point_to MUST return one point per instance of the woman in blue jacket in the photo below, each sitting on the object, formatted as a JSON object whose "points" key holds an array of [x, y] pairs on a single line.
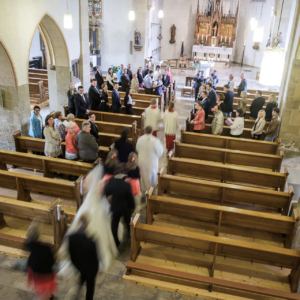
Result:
{"points": [[36, 123]]}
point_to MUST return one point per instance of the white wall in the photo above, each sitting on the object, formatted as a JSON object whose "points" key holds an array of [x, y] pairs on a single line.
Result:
{"points": [[20, 25], [35, 49]]}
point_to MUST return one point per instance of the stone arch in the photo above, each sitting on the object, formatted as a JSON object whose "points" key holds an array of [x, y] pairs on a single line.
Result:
{"points": [[7, 70]]}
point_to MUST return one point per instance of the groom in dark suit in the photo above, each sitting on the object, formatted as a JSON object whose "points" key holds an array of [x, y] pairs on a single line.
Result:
{"points": [[82, 104], [116, 101], [99, 78]]}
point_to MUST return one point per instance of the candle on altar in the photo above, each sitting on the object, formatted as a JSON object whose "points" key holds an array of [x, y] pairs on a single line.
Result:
{"points": [[206, 37], [198, 37], [221, 38], [229, 39], [202, 37], [225, 38]]}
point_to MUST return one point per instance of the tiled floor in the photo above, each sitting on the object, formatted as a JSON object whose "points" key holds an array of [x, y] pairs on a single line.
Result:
{"points": [[109, 284]]}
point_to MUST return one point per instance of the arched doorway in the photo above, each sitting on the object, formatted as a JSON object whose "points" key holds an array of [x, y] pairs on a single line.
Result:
{"points": [[56, 74], [9, 104]]}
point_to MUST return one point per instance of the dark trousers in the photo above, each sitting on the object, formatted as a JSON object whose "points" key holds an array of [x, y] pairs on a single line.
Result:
{"points": [[148, 91], [196, 91], [116, 220], [90, 284], [197, 131], [120, 83], [256, 136], [72, 110], [236, 136]]}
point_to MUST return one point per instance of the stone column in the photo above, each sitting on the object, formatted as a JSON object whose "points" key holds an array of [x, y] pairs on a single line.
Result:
{"points": [[84, 45]]}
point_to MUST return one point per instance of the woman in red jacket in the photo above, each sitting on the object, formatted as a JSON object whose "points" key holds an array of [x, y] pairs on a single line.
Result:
{"points": [[199, 121]]}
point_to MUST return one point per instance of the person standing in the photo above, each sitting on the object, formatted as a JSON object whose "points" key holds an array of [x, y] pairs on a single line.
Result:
{"points": [[218, 121], [272, 103], [99, 78], [171, 125], [169, 73], [273, 130], [125, 81], [198, 81], [133, 175], [166, 79], [212, 95], [87, 145], [135, 84], [59, 125], [122, 203], [71, 118], [110, 79], [40, 264], [228, 102], [146, 71], [94, 129], [140, 77], [199, 121], [259, 125], [71, 152], [52, 138], [119, 75], [231, 82], [116, 101], [156, 73], [220, 101], [94, 96], [82, 104], [243, 85], [150, 150], [129, 72], [243, 102], [128, 102], [257, 105], [237, 127], [148, 83], [158, 86], [123, 147], [36, 123], [152, 116], [104, 99], [205, 103], [202, 89], [71, 93], [83, 254], [215, 78]]}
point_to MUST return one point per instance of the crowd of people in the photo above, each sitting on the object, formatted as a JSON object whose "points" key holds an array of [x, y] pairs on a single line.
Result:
{"points": [[220, 106]]}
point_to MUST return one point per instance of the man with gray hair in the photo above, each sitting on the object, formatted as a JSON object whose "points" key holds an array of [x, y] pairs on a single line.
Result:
{"points": [[87, 145], [243, 85], [231, 82]]}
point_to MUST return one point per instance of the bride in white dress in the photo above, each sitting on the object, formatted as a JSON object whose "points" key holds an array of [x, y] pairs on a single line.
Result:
{"points": [[97, 208]]}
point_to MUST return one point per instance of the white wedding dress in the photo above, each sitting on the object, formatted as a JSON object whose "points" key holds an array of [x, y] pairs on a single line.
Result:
{"points": [[97, 208]]}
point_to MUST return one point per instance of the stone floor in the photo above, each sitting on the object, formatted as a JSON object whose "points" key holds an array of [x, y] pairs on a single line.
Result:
{"points": [[109, 284]]}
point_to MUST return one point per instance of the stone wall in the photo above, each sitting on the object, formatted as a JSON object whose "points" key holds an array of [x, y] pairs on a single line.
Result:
{"points": [[290, 127]]}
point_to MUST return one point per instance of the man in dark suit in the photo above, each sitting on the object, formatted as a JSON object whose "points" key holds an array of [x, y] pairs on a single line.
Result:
{"points": [[212, 95], [205, 103], [129, 72], [166, 79], [94, 129], [198, 82], [94, 95], [83, 253], [122, 203], [228, 101], [125, 81], [116, 101], [257, 105], [146, 71], [243, 85], [99, 78], [82, 104]]}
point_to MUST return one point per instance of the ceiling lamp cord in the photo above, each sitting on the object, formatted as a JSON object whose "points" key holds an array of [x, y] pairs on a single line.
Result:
{"points": [[280, 17]]}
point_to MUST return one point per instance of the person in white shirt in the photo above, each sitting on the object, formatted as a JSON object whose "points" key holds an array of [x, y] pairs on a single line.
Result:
{"points": [[237, 127], [152, 116], [171, 125], [231, 83], [156, 73], [150, 150]]}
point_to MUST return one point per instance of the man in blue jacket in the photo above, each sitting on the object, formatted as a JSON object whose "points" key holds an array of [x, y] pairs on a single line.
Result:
{"points": [[116, 101], [243, 85], [228, 101]]}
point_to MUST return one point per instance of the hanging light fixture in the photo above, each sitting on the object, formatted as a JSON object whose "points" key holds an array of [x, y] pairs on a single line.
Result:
{"points": [[253, 23], [259, 31], [131, 15], [160, 14], [273, 63], [68, 20]]}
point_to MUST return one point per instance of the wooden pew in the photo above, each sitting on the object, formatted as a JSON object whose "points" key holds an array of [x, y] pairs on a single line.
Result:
{"points": [[226, 156], [26, 184], [249, 96], [48, 165], [40, 71], [215, 247], [38, 90], [15, 238], [24, 143], [37, 80], [224, 193], [240, 175], [216, 141], [41, 76], [222, 220], [138, 103], [250, 91], [109, 132]]}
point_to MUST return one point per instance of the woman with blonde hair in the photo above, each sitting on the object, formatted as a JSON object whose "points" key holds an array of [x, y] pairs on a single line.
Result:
{"points": [[168, 68], [259, 125], [71, 142], [272, 103], [40, 264], [135, 84], [52, 138], [71, 118], [243, 102]]}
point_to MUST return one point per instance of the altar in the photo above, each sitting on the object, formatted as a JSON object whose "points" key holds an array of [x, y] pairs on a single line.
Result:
{"points": [[206, 67]]}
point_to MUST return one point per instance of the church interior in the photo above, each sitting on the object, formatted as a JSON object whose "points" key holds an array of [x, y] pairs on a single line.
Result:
{"points": [[221, 222]]}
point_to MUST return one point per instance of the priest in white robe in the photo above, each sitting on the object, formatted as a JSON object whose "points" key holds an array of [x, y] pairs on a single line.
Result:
{"points": [[152, 116], [150, 150]]}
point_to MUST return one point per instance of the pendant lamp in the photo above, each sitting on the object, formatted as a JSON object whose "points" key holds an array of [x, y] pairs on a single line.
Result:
{"points": [[131, 15], [68, 20]]}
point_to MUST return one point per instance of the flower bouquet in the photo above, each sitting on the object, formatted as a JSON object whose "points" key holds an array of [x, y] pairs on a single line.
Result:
{"points": [[196, 64]]}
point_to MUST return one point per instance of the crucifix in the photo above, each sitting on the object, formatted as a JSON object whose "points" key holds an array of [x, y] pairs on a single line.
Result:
{"points": [[215, 30]]}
